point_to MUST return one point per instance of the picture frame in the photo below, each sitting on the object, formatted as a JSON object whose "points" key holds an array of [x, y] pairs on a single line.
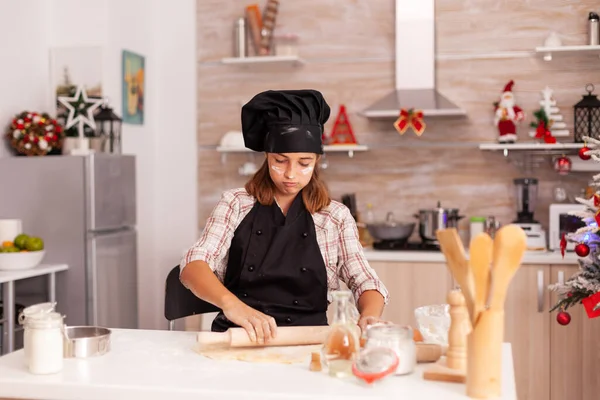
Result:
{"points": [[133, 88]]}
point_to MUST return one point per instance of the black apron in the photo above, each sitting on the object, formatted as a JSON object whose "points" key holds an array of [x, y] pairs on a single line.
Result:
{"points": [[275, 266]]}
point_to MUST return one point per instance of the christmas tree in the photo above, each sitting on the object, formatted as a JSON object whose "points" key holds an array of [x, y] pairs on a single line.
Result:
{"points": [[551, 114], [583, 287]]}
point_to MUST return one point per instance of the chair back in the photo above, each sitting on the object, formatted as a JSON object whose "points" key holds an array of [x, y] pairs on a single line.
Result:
{"points": [[180, 302]]}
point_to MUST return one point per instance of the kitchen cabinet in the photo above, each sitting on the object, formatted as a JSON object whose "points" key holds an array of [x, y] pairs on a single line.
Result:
{"points": [[574, 349], [412, 285], [552, 362], [527, 328]]}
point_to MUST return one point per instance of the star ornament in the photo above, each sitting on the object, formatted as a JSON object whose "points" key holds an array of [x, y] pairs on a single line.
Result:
{"points": [[81, 109]]}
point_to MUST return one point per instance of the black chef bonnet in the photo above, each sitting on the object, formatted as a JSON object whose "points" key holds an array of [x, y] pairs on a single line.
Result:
{"points": [[285, 121]]}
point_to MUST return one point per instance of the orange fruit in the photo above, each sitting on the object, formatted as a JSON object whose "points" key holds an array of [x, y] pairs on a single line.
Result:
{"points": [[417, 337], [8, 243]]}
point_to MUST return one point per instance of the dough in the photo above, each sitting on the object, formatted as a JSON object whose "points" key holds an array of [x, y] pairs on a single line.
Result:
{"points": [[275, 354]]}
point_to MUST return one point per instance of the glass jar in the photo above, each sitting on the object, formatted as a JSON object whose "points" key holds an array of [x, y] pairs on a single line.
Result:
{"points": [[341, 345], [286, 44], [34, 311], [477, 226], [398, 338], [43, 343]]}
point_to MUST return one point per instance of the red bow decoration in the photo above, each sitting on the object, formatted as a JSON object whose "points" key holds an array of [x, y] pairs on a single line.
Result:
{"points": [[543, 132], [563, 245], [597, 217], [410, 119], [596, 200]]}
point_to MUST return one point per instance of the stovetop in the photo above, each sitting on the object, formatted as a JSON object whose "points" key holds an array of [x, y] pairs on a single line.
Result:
{"points": [[403, 245]]}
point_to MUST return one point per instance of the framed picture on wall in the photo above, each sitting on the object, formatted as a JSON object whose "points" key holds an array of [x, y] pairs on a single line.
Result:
{"points": [[133, 71]]}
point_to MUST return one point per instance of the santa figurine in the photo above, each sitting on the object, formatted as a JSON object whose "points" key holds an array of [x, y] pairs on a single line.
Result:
{"points": [[507, 115]]}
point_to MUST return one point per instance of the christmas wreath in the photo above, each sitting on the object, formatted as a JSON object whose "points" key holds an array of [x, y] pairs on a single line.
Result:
{"points": [[35, 134]]}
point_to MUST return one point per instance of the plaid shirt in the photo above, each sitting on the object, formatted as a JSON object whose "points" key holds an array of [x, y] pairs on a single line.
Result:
{"points": [[337, 237]]}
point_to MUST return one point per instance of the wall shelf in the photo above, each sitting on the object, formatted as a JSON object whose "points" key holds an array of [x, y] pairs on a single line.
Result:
{"points": [[529, 146], [549, 52], [293, 61], [530, 155]]}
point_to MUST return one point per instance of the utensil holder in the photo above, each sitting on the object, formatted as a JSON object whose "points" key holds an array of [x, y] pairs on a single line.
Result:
{"points": [[484, 356]]}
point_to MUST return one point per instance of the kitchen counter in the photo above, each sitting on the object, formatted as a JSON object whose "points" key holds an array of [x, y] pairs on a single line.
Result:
{"points": [[531, 257], [162, 365]]}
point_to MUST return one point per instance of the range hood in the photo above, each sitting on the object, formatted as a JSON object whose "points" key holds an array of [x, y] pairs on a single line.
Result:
{"points": [[415, 66]]}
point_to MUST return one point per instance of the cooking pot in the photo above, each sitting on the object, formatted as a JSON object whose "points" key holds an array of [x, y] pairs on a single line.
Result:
{"points": [[436, 218], [390, 229]]}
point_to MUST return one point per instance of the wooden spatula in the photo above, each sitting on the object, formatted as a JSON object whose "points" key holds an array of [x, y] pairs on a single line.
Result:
{"points": [[510, 243], [480, 262], [456, 259]]}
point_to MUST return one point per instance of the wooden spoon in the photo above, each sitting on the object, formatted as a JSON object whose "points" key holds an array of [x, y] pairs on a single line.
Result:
{"points": [[509, 245], [456, 259], [480, 261]]}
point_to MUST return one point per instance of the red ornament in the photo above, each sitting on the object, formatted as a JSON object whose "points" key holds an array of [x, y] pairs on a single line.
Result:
{"points": [[596, 200], [562, 165], [569, 294], [563, 318], [563, 245], [582, 154], [591, 305], [582, 250]]}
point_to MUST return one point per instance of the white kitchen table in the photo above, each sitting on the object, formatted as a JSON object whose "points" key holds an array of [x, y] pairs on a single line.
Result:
{"points": [[7, 283], [162, 365]]}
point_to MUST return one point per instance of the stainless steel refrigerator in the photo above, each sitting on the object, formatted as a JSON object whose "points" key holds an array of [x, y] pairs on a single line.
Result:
{"points": [[84, 207]]}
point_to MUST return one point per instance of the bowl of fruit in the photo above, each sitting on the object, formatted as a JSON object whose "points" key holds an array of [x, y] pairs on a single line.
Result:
{"points": [[24, 252]]}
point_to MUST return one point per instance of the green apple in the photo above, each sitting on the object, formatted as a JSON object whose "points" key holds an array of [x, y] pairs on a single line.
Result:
{"points": [[20, 241], [34, 244]]}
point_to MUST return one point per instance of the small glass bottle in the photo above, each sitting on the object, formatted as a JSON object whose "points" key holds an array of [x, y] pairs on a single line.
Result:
{"points": [[342, 343], [398, 338], [44, 343]]}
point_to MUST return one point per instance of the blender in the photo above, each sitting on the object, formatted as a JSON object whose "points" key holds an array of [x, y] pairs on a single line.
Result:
{"points": [[526, 190]]}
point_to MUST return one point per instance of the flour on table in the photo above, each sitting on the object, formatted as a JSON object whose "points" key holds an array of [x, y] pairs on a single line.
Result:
{"points": [[275, 354]]}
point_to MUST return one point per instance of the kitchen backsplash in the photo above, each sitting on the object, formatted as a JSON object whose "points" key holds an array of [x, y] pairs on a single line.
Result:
{"points": [[349, 48]]}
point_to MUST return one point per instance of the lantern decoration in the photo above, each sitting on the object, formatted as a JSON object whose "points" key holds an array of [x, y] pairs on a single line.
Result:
{"points": [[562, 165], [108, 125], [587, 116]]}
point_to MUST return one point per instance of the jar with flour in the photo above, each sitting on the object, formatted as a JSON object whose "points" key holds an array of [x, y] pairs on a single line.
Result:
{"points": [[399, 339], [43, 339]]}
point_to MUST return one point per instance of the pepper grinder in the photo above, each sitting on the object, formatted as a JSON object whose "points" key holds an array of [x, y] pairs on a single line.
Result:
{"points": [[453, 368], [594, 29], [456, 356]]}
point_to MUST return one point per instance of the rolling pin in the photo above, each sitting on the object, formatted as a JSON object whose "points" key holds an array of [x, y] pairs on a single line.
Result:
{"points": [[286, 336], [295, 336]]}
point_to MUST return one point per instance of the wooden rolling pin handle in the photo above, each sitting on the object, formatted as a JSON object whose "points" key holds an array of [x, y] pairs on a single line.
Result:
{"points": [[286, 336]]}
